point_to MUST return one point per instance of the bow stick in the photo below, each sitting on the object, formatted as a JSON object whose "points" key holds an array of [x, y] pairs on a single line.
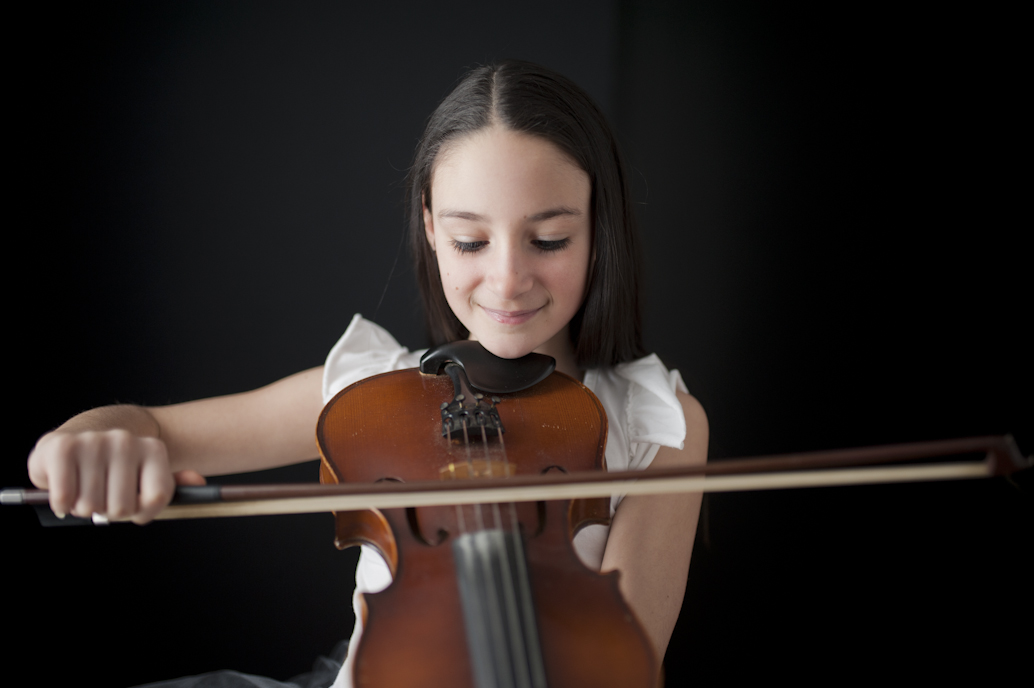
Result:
{"points": [[862, 466]]}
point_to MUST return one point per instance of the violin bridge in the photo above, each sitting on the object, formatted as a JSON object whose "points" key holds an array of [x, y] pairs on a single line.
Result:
{"points": [[477, 468]]}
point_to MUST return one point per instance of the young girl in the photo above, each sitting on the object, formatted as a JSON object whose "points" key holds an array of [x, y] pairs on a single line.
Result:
{"points": [[524, 240]]}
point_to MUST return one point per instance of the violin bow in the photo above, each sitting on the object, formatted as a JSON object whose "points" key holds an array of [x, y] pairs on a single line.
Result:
{"points": [[861, 466]]}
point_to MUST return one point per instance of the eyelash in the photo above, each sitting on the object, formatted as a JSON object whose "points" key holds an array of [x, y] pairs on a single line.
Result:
{"points": [[467, 246], [552, 246], [543, 245]]}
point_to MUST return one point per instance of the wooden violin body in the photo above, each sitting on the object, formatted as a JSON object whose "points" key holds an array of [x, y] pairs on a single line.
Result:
{"points": [[390, 427]]}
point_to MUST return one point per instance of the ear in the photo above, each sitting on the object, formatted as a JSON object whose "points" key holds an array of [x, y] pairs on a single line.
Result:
{"points": [[428, 222]]}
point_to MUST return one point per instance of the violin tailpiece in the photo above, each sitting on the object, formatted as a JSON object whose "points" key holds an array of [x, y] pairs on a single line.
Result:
{"points": [[468, 409]]}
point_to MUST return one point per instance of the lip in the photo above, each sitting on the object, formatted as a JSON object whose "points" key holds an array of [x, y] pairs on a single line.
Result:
{"points": [[510, 317]]}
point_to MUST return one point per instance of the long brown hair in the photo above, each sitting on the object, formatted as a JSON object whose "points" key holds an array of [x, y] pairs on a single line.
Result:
{"points": [[527, 98]]}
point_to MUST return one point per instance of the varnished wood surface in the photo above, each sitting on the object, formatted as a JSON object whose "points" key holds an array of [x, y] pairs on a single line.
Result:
{"points": [[414, 632]]}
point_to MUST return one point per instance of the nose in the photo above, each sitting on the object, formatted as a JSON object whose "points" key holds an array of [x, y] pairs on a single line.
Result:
{"points": [[509, 273]]}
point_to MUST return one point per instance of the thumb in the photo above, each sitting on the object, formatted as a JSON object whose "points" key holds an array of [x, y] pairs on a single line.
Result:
{"points": [[189, 477]]}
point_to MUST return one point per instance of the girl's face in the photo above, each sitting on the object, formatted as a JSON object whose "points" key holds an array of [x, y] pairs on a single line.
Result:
{"points": [[511, 229]]}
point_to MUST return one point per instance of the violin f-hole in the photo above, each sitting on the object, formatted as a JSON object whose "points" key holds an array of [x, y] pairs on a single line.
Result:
{"points": [[414, 527]]}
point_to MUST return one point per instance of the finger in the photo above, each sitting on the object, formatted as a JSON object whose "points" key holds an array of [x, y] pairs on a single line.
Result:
{"points": [[93, 475], [53, 468], [123, 479], [38, 462], [190, 477], [156, 482]]}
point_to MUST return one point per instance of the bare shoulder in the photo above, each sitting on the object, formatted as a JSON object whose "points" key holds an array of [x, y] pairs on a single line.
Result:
{"points": [[696, 417], [694, 450]]}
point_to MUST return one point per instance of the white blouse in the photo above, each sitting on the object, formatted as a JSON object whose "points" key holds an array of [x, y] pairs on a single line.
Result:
{"points": [[643, 414]]}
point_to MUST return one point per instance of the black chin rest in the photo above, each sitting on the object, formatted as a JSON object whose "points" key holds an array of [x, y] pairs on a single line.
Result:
{"points": [[486, 371]]}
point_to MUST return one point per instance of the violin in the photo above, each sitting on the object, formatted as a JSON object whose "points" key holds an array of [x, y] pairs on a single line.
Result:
{"points": [[482, 595]]}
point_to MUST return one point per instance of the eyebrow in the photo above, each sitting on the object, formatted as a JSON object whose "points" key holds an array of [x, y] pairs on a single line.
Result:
{"points": [[537, 217]]}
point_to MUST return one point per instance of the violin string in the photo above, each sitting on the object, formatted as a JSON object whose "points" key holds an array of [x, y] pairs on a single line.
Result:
{"points": [[521, 565], [512, 570], [496, 518], [512, 505], [459, 508], [478, 516]]}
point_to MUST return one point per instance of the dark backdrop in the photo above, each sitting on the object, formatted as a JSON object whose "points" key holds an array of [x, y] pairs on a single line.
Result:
{"points": [[210, 191]]}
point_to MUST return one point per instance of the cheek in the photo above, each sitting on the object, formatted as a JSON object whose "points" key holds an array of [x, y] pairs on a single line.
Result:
{"points": [[455, 279], [569, 281]]}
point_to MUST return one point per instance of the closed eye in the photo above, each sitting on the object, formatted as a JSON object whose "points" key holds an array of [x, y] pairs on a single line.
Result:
{"points": [[551, 245], [468, 246]]}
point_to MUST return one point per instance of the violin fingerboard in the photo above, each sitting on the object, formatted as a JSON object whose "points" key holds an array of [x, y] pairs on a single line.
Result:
{"points": [[498, 610]]}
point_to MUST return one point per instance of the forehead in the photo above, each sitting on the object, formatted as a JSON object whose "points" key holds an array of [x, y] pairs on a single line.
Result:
{"points": [[497, 162]]}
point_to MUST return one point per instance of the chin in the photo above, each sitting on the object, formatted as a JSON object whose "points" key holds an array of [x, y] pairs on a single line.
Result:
{"points": [[506, 349]]}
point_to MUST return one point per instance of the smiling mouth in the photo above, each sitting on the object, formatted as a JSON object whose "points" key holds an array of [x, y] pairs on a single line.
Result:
{"points": [[510, 317]]}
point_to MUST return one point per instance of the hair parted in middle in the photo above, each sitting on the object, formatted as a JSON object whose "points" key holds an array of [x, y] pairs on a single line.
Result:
{"points": [[526, 98]]}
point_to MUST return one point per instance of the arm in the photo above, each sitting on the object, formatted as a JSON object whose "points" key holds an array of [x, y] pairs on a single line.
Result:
{"points": [[651, 538], [121, 460]]}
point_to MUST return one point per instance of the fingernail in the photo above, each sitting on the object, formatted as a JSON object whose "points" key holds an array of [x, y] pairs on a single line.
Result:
{"points": [[60, 514]]}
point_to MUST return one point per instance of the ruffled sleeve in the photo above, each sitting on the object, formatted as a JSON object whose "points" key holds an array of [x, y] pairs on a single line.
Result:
{"points": [[643, 411], [654, 412], [364, 349]]}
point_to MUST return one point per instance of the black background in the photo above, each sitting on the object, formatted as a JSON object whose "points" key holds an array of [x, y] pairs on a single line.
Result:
{"points": [[208, 192]]}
